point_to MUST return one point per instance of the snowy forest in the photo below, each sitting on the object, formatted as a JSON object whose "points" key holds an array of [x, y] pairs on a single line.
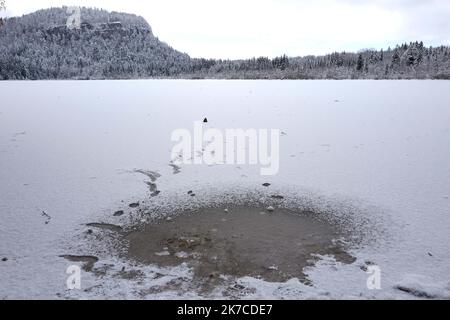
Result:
{"points": [[111, 45]]}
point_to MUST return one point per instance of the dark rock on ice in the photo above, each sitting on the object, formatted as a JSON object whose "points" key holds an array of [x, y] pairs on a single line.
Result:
{"points": [[119, 213]]}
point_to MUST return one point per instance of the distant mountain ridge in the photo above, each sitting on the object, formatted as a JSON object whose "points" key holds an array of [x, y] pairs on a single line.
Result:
{"points": [[113, 45], [108, 45]]}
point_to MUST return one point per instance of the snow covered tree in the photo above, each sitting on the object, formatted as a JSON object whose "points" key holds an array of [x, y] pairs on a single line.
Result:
{"points": [[360, 63]]}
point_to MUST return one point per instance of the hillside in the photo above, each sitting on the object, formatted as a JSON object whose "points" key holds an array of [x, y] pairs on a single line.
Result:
{"points": [[108, 45]]}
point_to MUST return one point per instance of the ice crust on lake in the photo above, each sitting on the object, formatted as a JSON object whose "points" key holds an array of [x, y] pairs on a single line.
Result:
{"points": [[373, 154]]}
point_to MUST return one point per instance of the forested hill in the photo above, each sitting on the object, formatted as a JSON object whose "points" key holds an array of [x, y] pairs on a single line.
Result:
{"points": [[108, 45], [111, 45]]}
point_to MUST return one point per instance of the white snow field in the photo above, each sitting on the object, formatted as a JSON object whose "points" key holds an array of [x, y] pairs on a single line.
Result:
{"points": [[376, 154]]}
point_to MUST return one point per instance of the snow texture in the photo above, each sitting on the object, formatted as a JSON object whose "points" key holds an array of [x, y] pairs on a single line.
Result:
{"points": [[372, 155]]}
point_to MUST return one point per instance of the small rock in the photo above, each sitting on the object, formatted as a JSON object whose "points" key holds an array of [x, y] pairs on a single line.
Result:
{"points": [[134, 205], [90, 231], [190, 192], [119, 213], [226, 210], [205, 120], [266, 184], [169, 219], [5, 259], [430, 254], [277, 197], [271, 209]]}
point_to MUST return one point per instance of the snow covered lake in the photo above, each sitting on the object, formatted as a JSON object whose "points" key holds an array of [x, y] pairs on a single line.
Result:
{"points": [[373, 155]]}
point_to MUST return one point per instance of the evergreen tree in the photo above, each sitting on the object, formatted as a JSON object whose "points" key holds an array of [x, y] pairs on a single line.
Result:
{"points": [[395, 58], [360, 63]]}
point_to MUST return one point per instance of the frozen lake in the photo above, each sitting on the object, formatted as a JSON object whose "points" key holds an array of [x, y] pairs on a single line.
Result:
{"points": [[375, 152]]}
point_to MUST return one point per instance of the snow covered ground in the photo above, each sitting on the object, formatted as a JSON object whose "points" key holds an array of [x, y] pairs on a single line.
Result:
{"points": [[378, 149]]}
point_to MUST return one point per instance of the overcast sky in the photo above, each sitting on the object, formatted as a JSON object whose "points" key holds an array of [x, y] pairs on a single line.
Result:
{"points": [[247, 28]]}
